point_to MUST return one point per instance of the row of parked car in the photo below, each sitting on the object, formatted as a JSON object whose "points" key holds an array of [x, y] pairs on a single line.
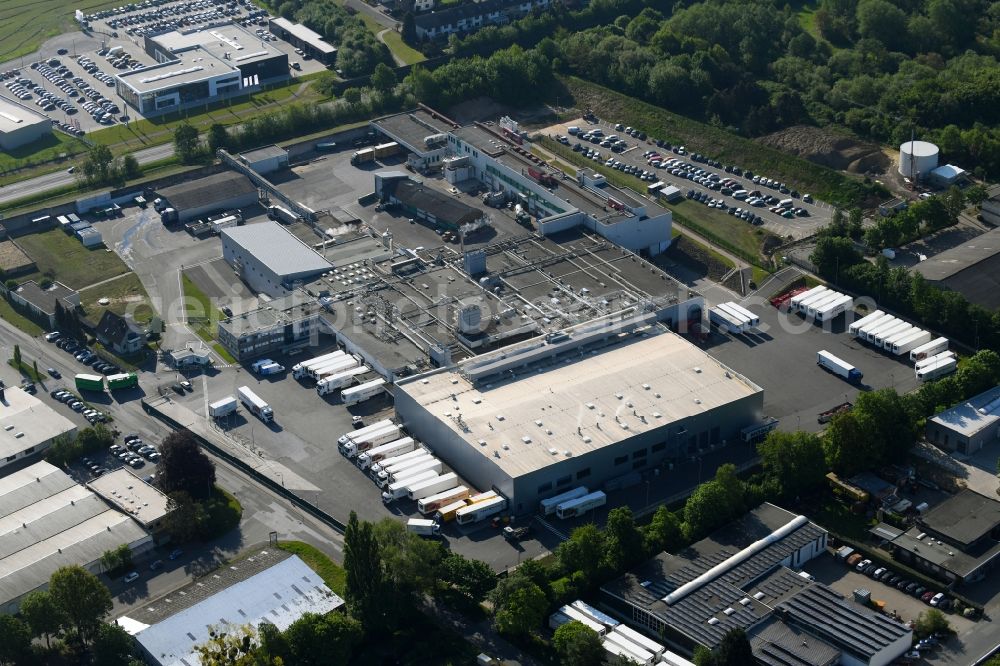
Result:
{"points": [[91, 68], [886, 576], [82, 354], [73, 401], [712, 202], [174, 17], [134, 452]]}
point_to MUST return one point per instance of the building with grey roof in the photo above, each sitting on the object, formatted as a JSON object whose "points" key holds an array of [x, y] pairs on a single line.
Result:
{"points": [[741, 577], [967, 426], [20, 125], [48, 521], [424, 202], [192, 199], [199, 66], [147, 505], [311, 42], [594, 402], [972, 268], [43, 302], [265, 159], [269, 586], [28, 426], [279, 326], [269, 258]]}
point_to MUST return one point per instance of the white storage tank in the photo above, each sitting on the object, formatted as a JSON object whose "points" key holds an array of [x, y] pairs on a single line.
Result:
{"points": [[917, 159]]}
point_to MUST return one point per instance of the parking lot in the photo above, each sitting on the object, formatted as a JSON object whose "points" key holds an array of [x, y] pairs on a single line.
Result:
{"points": [[696, 174], [789, 341]]}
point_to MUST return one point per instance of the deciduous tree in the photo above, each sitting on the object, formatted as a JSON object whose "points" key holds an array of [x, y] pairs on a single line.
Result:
{"points": [[318, 640], [82, 598], [793, 461], [186, 142], [15, 640], [518, 606], [367, 589], [578, 645], [622, 539], [184, 466], [42, 614]]}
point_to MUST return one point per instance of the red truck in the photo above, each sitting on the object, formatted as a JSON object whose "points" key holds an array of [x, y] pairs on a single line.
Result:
{"points": [[542, 177]]}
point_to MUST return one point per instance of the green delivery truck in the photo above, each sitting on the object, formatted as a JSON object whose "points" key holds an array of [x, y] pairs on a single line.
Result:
{"points": [[123, 381], [89, 383]]}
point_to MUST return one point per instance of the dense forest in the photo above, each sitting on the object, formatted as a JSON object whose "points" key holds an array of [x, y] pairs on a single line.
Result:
{"points": [[879, 68]]}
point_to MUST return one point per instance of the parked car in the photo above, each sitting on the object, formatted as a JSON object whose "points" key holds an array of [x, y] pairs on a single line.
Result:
{"points": [[53, 373], [174, 554], [131, 577]]}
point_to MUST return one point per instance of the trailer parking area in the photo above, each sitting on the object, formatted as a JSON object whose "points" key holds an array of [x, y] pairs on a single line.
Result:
{"points": [[782, 360]]}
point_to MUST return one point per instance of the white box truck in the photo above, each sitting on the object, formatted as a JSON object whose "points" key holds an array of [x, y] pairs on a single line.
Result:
{"points": [[401, 488], [869, 318], [838, 366], [383, 451], [422, 527], [793, 304], [932, 348], [581, 505], [444, 498], [255, 404], [361, 443], [912, 341], [930, 360], [389, 461], [433, 486], [548, 506], [333, 367], [362, 392], [223, 407], [473, 513], [378, 425], [300, 370], [332, 383]]}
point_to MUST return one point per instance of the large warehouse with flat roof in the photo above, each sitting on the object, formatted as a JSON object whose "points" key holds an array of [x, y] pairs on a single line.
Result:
{"points": [[581, 407], [972, 269], [270, 258], [29, 425], [48, 521], [199, 66], [20, 125], [221, 191]]}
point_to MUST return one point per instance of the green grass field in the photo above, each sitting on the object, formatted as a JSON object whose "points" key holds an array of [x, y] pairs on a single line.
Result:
{"points": [[402, 50], [332, 574], [126, 295], [64, 257], [24, 24], [56, 146], [17, 320]]}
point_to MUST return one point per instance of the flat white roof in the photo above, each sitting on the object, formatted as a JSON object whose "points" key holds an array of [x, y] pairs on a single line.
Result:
{"points": [[277, 248], [948, 171], [132, 495], [14, 116], [571, 406], [307, 35], [26, 422], [48, 521], [965, 417]]}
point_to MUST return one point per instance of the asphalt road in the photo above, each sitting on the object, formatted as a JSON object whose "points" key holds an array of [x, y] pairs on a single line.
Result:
{"points": [[56, 179]]}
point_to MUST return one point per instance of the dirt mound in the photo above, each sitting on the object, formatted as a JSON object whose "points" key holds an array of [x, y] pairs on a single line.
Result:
{"points": [[829, 149]]}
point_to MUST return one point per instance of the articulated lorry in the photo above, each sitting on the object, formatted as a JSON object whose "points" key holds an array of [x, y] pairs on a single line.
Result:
{"points": [[332, 367], [369, 438], [581, 505], [433, 486], [386, 478], [362, 392], [299, 370], [837, 366], [382, 451], [255, 404], [386, 463], [224, 407], [448, 512], [123, 380], [335, 382], [347, 436], [89, 382]]}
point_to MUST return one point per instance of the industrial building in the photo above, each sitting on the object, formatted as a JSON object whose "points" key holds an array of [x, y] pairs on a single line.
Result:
{"points": [[956, 541], [594, 402], [280, 326], [265, 160], [48, 521], [20, 125], [972, 269], [200, 66], [990, 208], [426, 203], [192, 199], [742, 577], [969, 425], [469, 17], [29, 425], [43, 302], [130, 494], [309, 41], [268, 586], [269, 258], [946, 175], [493, 157]]}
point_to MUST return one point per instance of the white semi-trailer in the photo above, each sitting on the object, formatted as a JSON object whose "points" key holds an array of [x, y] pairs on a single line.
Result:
{"points": [[930, 360], [430, 463], [361, 443], [898, 334], [382, 451], [739, 309], [300, 370], [581, 505], [443, 498], [814, 306], [878, 339], [805, 303], [835, 309], [872, 325], [400, 488], [430, 487], [377, 467], [362, 392], [331, 383], [548, 506], [638, 652], [361, 431], [223, 407], [477, 511], [796, 300], [932, 348], [838, 366], [870, 318], [868, 335], [729, 323], [389, 472], [333, 367], [912, 341], [937, 369], [255, 404], [641, 640], [746, 322]]}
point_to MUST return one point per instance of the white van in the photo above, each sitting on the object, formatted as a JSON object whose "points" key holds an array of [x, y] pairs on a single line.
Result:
{"points": [[786, 203], [573, 129], [740, 194]]}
